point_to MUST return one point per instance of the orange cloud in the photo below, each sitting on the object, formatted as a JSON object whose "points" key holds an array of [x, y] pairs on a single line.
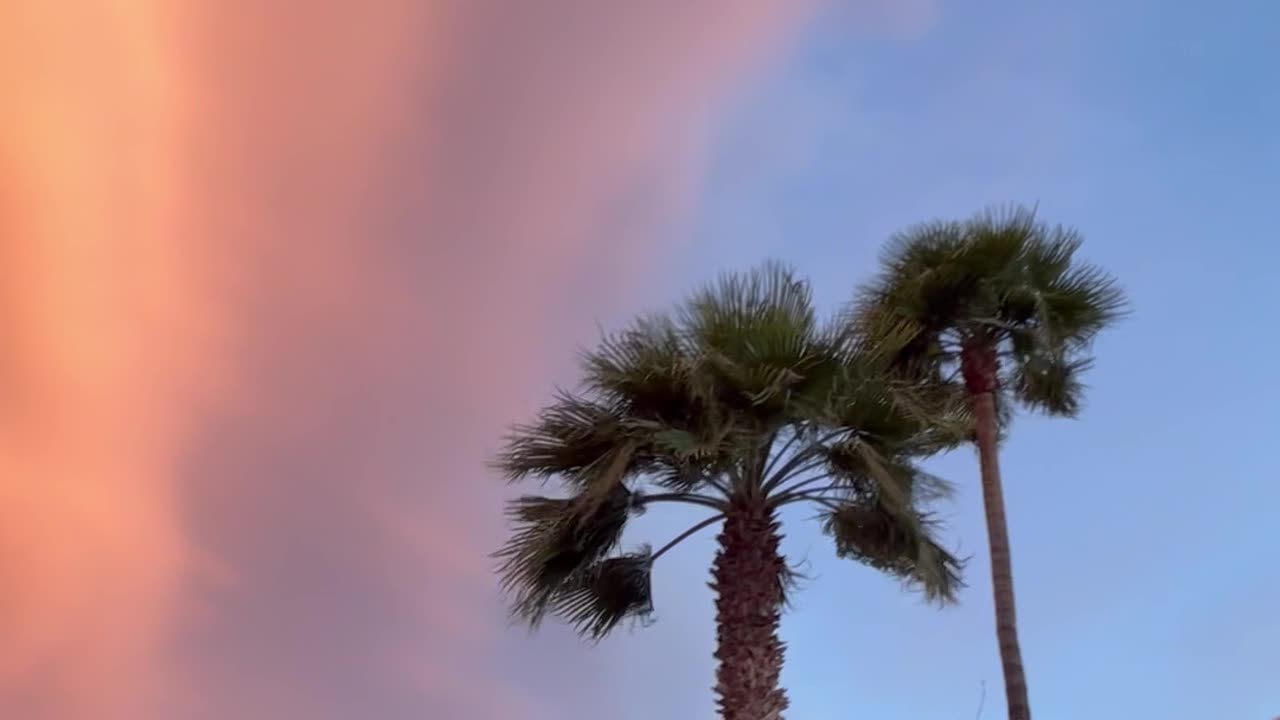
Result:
{"points": [[100, 325], [273, 276]]}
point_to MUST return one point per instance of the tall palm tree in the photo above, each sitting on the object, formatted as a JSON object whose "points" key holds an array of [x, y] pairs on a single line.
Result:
{"points": [[999, 303], [741, 403]]}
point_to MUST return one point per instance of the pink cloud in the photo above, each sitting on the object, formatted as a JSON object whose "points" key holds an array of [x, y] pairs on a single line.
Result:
{"points": [[284, 271], [446, 246]]}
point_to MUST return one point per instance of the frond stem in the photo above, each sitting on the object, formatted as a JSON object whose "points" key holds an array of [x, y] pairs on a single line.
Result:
{"points": [[954, 376], [786, 447], [685, 535], [793, 470], [685, 499], [800, 486], [715, 483], [792, 466], [810, 494]]}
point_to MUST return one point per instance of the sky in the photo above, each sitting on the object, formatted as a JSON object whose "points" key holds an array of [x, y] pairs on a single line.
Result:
{"points": [[273, 280]]}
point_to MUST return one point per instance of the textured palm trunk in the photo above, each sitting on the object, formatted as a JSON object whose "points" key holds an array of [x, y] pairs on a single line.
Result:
{"points": [[747, 581], [981, 372]]}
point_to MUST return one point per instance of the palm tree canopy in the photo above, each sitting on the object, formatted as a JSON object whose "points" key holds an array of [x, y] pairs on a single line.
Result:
{"points": [[1002, 279], [740, 393]]}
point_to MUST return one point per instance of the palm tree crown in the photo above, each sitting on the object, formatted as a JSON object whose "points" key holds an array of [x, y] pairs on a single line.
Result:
{"points": [[742, 398], [1004, 281]]}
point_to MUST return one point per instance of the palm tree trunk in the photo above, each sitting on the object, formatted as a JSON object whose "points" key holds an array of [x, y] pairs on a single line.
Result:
{"points": [[748, 574], [981, 373]]}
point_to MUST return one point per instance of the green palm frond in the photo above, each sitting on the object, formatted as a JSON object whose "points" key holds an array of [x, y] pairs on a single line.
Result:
{"points": [[1042, 288], [644, 371], [922, 248], [941, 411], [893, 479], [858, 390], [999, 240], [766, 313], [681, 459], [880, 414], [571, 438], [1002, 277], [1050, 385], [876, 338], [1078, 304], [1051, 255], [554, 539], [896, 314], [600, 597], [758, 335], [870, 533]]}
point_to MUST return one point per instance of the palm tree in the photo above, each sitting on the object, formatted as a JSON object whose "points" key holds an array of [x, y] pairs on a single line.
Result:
{"points": [[741, 403], [999, 302]]}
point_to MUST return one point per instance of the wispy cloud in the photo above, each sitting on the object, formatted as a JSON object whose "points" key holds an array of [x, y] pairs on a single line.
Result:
{"points": [[273, 277]]}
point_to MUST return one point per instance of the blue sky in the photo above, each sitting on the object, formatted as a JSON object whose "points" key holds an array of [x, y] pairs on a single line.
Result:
{"points": [[1146, 551]]}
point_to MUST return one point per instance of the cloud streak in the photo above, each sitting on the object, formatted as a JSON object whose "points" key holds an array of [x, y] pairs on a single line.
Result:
{"points": [[100, 337], [273, 277]]}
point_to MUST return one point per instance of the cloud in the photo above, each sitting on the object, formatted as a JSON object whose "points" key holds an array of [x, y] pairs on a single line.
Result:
{"points": [[100, 353], [449, 238], [273, 278], [282, 272]]}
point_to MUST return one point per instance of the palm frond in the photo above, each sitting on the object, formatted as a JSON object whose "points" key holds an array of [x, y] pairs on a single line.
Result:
{"points": [[1050, 257], [570, 438], [601, 596], [552, 540], [997, 242], [880, 412], [681, 475], [662, 386], [876, 336], [1078, 304], [1042, 287], [1002, 277], [1050, 385], [899, 546], [919, 287], [644, 371], [941, 411], [748, 314], [921, 248], [894, 481], [681, 443], [757, 333]]}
